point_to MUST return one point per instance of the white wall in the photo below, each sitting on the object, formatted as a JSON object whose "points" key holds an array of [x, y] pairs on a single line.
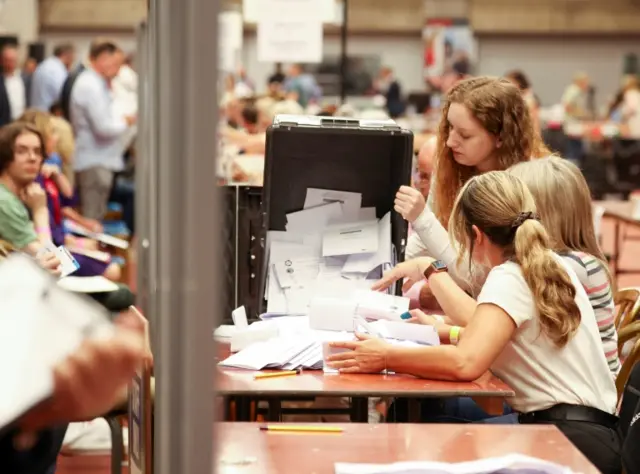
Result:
{"points": [[20, 18], [403, 54], [551, 63]]}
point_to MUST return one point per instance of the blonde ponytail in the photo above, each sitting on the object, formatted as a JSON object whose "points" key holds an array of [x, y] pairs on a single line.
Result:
{"points": [[501, 206], [553, 291]]}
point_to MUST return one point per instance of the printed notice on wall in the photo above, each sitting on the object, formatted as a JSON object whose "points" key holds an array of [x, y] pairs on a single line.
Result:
{"points": [[256, 11], [293, 41]]}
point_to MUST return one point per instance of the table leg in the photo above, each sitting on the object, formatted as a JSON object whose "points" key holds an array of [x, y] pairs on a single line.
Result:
{"points": [[414, 410], [275, 410], [243, 409], [359, 409]]}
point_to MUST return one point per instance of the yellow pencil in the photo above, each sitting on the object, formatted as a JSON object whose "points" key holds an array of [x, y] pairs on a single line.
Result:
{"points": [[303, 429], [283, 373]]}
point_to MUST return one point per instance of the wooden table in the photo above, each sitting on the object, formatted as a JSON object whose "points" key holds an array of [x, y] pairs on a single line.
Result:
{"points": [[242, 447], [621, 212], [242, 385]]}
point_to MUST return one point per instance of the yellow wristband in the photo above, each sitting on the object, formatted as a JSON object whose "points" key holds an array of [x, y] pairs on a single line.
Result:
{"points": [[454, 335]]}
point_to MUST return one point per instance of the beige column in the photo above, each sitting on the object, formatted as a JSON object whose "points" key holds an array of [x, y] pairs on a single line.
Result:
{"points": [[20, 18]]}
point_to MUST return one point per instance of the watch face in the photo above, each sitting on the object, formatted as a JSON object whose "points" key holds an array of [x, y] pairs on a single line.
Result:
{"points": [[439, 265]]}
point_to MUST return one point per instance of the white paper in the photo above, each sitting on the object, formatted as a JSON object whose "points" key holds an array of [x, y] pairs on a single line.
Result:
{"points": [[375, 305], [332, 314], [295, 41], [40, 325], [106, 239], [350, 239], [404, 331], [230, 33], [239, 317], [313, 220], [254, 11], [68, 264], [351, 202], [510, 464], [94, 284], [366, 262]]}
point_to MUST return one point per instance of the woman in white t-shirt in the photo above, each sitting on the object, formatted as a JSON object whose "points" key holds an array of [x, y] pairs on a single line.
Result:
{"points": [[532, 324]]}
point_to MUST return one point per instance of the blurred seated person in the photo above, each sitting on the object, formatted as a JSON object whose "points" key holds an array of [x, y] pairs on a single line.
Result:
{"points": [[275, 81], [66, 141], [250, 122], [389, 87], [28, 183], [243, 85], [630, 107], [520, 80], [302, 87]]}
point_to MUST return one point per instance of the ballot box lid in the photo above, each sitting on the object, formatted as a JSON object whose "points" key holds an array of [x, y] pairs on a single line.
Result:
{"points": [[371, 157]]}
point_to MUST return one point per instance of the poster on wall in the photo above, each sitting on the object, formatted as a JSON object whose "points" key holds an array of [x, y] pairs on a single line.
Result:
{"points": [[450, 50]]}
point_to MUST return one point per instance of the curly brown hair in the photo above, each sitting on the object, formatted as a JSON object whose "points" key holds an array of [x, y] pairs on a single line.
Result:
{"points": [[499, 107]]}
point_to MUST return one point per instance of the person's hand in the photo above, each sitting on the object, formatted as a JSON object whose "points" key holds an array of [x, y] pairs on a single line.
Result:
{"points": [[50, 262], [49, 171], [420, 317], [89, 382], [131, 120], [366, 355], [411, 270], [409, 203], [34, 197], [94, 225]]}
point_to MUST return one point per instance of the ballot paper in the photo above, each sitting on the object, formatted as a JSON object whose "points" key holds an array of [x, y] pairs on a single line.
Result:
{"points": [[350, 239], [40, 325], [101, 237], [68, 264], [382, 256], [509, 464], [315, 218], [351, 202]]}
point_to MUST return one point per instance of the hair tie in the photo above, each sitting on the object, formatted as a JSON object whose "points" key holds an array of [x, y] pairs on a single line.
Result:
{"points": [[524, 216]]}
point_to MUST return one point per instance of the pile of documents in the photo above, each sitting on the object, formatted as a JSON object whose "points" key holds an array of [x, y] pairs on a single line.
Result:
{"points": [[290, 342], [510, 464], [332, 247]]}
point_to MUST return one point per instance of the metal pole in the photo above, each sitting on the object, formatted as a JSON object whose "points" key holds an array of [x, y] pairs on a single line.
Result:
{"points": [[344, 31], [188, 263]]}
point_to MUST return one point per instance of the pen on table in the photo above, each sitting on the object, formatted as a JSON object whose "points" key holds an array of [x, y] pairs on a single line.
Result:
{"points": [[283, 373], [303, 429]]}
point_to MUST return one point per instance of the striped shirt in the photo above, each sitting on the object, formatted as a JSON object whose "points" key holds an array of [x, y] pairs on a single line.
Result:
{"points": [[594, 279]]}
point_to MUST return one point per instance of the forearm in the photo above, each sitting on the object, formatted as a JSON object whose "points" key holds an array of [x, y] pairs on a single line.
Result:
{"points": [[439, 363], [453, 300], [436, 244], [64, 185], [41, 223], [71, 214]]}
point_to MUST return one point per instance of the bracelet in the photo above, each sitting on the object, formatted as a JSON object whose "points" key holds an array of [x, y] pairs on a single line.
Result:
{"points": [[43, 231], [454, 335]]}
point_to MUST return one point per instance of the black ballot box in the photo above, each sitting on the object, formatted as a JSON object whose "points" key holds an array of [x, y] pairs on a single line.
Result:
{"points": [[370, 157]]}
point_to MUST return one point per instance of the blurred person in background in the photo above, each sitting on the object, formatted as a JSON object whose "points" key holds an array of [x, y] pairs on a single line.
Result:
{"points": [[99, 130], [630, 107], [388, 86], [49, 77], [66, 144], [575, 101], [301, 86], [522, 82], [28, 68], [276, 80], [13, 95]]}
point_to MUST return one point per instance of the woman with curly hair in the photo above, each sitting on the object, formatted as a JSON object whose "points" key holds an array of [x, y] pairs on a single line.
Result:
{"points": [[485, 126]]}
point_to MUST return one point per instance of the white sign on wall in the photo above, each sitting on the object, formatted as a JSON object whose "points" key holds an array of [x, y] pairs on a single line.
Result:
{"points": [[292, 41], [230, 31], [255, 11]]}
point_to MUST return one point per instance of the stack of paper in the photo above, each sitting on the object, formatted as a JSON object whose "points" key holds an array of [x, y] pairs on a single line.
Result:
{"points": [[331, 247], [510, 464], [298, 346]]}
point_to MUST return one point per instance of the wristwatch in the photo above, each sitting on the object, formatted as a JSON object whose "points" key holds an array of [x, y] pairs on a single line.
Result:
{"points": [[437, 266]]}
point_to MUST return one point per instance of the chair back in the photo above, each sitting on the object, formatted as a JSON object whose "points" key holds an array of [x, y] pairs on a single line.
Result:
{"points": [[629, 423], [628, 333], [627, 301]]}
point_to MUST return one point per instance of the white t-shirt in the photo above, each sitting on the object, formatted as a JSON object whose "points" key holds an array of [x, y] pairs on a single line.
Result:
{"points": [[541, 373], [16, 94]]}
